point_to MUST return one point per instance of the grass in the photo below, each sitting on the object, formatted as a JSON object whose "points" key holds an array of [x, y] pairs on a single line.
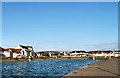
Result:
{"points": [[43, 58]]}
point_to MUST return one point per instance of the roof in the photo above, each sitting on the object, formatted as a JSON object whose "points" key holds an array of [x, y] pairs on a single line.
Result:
{"points": [[29, 46], [26, 47], [81, 51], [99, 52], [15, 50], [5, 49]]}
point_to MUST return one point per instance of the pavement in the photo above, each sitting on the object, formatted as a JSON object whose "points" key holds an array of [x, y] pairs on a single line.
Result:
{"points": [[99, 69]]}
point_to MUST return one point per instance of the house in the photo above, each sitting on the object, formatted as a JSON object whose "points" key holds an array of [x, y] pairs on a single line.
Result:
{"points": [[50, 54], [101, 53], [26, 51], [42, 54], [78, 53], [17, 53], [65, 54], [39, 54], [1, 53], [117, 53], [11, 53], [7, 53]]}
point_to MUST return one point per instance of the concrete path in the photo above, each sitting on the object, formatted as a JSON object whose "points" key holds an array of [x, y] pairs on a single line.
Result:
{"points": [[109, 68]]}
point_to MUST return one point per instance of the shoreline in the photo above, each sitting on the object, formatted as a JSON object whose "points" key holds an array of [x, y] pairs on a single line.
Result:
{"points": [[108, 68], [64, 58], [21, 60]]}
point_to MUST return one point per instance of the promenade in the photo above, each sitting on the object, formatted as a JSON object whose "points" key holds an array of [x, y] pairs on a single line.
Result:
{"points": [[99, 69]]}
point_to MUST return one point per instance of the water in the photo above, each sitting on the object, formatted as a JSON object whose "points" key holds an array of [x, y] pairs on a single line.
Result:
{"points": [[43, 67]]}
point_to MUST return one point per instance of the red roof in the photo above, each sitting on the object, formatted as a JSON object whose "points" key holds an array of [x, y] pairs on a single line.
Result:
{"points": [[15, 50], [5, 49]]}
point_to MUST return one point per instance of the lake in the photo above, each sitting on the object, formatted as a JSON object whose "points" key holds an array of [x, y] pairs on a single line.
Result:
{"points": [[43, 68]]}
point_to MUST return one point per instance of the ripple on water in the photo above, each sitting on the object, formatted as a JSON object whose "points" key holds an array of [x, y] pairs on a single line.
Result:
{"points": [[43, 67]]}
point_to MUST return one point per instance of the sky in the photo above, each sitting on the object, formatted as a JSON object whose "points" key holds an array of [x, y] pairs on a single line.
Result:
{"points": [[0, 23], [62, 26], [60, 0]]}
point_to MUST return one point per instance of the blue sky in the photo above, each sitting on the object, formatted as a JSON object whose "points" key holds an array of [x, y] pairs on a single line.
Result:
{"points": [[61, 26]]}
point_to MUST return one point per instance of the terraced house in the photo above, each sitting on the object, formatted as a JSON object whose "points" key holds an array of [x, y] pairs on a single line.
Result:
{"points": [[78, 53], [19, 52], [104, 53]]}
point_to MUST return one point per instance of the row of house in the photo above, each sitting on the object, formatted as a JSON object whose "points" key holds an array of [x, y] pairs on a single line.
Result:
{"points": [[96, 53], [19, 52], [22, 51], [51, 54], [80, 54]]}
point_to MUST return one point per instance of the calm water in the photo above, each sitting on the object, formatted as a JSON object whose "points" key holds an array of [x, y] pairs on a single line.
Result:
{"points": [[43, 67]]}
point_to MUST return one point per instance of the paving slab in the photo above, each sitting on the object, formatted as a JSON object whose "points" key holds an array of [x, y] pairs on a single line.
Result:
{"points": [[108, 68]]}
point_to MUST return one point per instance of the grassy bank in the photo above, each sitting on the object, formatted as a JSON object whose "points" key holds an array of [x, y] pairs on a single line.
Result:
{"points": [[45, 58], [42, 58]]}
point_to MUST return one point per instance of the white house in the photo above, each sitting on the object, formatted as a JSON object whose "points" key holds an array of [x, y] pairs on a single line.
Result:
{"points": [[101, 53], [78, 53], [117, 53], [26, 51], [16, 53], [7, 52], [1, 53], [39, 54]]}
